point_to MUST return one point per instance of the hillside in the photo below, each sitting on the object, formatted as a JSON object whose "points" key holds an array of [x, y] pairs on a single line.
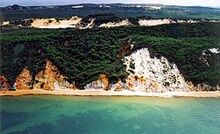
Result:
{"points": [[166, 57], [17, 12]]}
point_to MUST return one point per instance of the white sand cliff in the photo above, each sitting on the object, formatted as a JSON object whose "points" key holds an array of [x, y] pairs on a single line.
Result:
{"points": [[55, 23], [116, 24], [153, 74], [144, 22]]}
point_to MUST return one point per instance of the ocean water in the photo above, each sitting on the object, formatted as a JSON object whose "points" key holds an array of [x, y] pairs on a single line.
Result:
{"points": [[109, 115]]}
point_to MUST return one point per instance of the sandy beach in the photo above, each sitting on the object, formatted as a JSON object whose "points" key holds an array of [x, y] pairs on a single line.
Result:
{"points": [[91, 92]]}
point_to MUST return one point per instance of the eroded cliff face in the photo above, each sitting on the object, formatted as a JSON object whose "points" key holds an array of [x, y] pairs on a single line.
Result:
{"points": [[152, 74], [50, 79], [4, 84], [101, 83], [24, 80], [105, 81], [145, 73]]}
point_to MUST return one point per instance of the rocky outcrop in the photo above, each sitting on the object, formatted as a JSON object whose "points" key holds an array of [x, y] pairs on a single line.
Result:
{"points": [[105, 81], [152, 74], [207, 54], [101, 83], [50, 79], [89, 24], [119, 86], [202, 87], [24, 80], [116, 24], [125, 49], [4, 84]]}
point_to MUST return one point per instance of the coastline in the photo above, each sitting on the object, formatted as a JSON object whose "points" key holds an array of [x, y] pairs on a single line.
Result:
{"points": [[95, 92]]}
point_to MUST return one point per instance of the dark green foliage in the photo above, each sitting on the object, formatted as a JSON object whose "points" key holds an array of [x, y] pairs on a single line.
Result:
{"points": [[81, 55]]}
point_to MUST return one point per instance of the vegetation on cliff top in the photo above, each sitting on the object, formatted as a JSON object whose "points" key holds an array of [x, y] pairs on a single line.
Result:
{"points": [[81, 55]]}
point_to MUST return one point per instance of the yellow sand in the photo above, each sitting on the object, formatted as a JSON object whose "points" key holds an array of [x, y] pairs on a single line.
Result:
{"points": [[95, 92]]}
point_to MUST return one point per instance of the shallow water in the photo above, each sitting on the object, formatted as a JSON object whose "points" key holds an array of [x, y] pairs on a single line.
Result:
{"points": [[109, 115]]}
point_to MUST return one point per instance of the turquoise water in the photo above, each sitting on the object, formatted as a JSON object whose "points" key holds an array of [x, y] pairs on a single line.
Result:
{"points": [[109, 115]]}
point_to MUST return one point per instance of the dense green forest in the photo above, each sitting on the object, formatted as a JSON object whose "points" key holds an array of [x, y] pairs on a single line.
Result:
{"points": [[81, 55]]}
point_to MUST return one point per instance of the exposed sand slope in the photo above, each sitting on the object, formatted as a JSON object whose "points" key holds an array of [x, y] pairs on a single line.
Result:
{"points": [[53, 23]]}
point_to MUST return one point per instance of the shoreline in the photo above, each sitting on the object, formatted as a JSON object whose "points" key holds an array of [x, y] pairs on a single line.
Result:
{"points": [[95, 92]]}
